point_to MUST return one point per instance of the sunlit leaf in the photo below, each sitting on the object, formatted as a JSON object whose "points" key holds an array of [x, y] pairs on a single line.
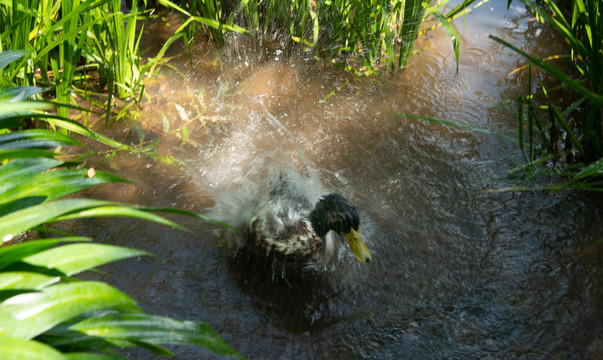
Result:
{"points": [[35, 139], [19, 93], [19, 349], [92, 356], [20, 169], [14, 253], [55, 184], [22, 107], [155, 330], [22, 220], [8, 56], [29, 153], [11, 280], [74, 258], [28, 315], [119, 210]]}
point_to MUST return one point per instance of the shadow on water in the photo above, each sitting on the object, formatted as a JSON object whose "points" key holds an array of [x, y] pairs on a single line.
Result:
{"points": [[456, 272]]}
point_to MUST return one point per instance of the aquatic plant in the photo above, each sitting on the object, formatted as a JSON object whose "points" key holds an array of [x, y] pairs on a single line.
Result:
{"points": [[75, 47], [45, 311], [570, 137], [359, 35]]}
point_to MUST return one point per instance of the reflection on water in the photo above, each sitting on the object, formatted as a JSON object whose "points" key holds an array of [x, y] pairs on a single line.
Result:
{"points": [[456, 272]]}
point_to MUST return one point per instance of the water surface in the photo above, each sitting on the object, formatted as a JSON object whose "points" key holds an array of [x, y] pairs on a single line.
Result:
{"points": [[456, 273]]}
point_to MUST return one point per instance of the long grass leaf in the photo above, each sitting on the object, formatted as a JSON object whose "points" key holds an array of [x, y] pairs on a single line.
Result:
{"points": [[29, 153], [457, 125], [92, 356], [15, 348], [22, 220], [118, 210], [14, 253], [31, 314], [25, 281], [74, 258], [55, 184], [557, 73], [155, 330], [35, 139], [19, 169]]}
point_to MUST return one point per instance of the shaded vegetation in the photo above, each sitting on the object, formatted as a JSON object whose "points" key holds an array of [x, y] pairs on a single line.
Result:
{"points": [[570, 138]]}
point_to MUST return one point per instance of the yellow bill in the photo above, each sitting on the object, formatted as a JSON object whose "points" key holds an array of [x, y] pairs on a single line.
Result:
{"points": [[357, 245]]}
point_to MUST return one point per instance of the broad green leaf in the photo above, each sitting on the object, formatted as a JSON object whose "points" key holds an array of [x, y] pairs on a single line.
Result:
{"points": [[119, 210], [19, 349], [23, 220], [55, 184], [22, 107], [29, 153], [10, 123], [35, 139], [19, 93], [8, 56], [28, 315], [21, 169], [74, 258], [14, 253], [13, 280], [153, 329], [92, 356]]}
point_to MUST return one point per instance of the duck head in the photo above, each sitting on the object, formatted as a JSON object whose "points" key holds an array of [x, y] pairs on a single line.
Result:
{"points": [[334, 212]]}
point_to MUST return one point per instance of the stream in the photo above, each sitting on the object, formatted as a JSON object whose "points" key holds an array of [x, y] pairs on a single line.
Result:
{"points": [[458, 271]]}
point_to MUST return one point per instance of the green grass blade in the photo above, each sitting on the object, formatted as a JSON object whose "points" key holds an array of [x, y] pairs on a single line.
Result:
{"points": [[555, 72], [29, 153], [28, 315], [454, 36], [23, 220], [457, 125], [22, 107], [92, 356], [19, 169], [55, 184], [35, 139], [19, 93], [118, 210], [75, 258], [25, 280], [15, 348], [153, 329], [14, 253], [8, 56]]}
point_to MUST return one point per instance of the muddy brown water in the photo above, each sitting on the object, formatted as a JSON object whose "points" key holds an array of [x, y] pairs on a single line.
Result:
{"points": [[457, 273]]}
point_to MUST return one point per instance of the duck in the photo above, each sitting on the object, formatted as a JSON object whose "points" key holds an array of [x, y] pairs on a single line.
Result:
{"points": [[288, 229]]}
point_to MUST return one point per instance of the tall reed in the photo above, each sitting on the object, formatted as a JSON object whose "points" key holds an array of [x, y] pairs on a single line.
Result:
{"points": [[65, 39], [573, 133], [357, 34]]}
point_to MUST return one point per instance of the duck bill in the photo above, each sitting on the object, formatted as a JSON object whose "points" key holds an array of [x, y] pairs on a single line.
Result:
{"points": [[357, 245]]}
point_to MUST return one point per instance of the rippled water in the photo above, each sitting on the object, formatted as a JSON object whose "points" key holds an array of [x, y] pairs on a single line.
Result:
{"points": [[456, 272]]}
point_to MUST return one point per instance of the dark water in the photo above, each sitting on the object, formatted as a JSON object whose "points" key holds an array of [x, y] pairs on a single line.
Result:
{"points": [[457, 273]]}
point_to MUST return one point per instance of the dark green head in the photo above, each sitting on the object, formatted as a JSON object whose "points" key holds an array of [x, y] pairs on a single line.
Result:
{"points": [[334, 212]]}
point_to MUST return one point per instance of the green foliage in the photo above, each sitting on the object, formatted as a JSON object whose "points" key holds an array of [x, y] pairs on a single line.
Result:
{"points": [[573, 133], [46, 312], [68, 39], [367, 32]]}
